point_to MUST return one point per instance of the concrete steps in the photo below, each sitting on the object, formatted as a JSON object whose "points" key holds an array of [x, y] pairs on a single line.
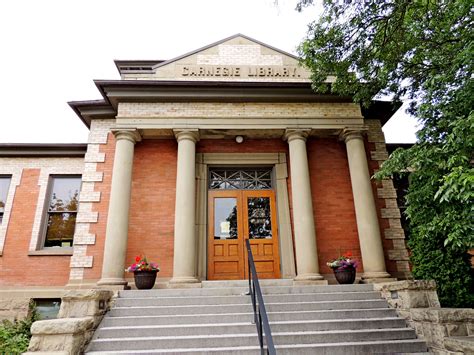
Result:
{"points": [[329, 319]]}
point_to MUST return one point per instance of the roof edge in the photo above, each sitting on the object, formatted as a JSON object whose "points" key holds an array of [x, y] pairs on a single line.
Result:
{"points": [[43, 149]]}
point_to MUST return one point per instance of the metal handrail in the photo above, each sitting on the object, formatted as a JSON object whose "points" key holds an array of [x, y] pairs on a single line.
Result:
{"points": [[259, 312]]}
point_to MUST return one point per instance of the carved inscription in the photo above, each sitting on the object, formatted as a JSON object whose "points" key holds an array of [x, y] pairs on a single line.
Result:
{"points": [[240, 71]]}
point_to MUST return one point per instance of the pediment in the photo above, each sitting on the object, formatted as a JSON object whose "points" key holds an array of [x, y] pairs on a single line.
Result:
{"points": [[237, 58]]}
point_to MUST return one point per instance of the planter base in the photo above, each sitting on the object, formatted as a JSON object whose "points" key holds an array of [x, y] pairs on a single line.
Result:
{"points": [[145, 280], [345, 276]]}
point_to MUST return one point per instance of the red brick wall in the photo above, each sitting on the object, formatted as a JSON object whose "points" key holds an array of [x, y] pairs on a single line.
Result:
{"points": [[16, 267], [153, 196], [333, 204], [247, 146], [151, 228]]}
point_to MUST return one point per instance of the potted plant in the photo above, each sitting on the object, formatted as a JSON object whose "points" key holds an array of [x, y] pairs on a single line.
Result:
{"points": [[144, 273], [344, 268]]}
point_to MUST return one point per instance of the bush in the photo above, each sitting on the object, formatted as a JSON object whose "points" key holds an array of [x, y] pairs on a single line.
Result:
{"points": [[450, 268], [15, 336]]}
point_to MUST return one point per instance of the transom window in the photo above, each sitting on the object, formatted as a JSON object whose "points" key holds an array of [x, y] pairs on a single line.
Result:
{"points": [[240, 178], [4, 186], [63, 205]]}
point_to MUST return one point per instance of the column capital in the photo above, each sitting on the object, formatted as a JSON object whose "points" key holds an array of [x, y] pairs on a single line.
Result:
{"points": [[131, 135], [348, 134], [292, 134], [186, 134]]}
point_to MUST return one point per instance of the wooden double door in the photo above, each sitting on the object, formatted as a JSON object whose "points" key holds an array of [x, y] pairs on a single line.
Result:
{"points": [[237, 215]]}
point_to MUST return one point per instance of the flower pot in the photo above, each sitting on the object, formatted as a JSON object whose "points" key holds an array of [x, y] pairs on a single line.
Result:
{"points": [[145, 280], [345, 276]]}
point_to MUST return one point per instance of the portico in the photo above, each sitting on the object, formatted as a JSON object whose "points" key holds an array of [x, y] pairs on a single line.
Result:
{"points": [[177, 121], [191, 191]]}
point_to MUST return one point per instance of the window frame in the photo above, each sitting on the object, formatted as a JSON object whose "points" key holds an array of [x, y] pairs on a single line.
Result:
{"points": [[10, 177], [46, 213]]}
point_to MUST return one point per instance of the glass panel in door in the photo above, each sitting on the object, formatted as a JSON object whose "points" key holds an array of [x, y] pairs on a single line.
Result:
{"points": [[225, 218], [259, 218]]}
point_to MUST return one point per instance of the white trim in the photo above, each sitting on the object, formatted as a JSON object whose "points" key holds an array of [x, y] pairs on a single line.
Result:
{"points": [[14, 182], [37, 233]]}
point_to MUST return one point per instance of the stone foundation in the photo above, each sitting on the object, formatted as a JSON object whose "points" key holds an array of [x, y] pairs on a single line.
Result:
{"points": [[14, 308], [445, 330], [69, 335], [80, 313]]}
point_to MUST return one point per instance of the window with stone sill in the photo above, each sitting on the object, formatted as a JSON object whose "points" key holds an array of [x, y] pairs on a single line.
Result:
{"points": [[4, 186], [62, 207]]}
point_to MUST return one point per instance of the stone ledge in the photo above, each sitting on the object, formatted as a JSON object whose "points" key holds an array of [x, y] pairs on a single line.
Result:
{"points": [[464, 345], [47, 353], [68, 335], [442, 315], [417, 285], [403, 295], [62, 326], [80, 303], [90, 294]]}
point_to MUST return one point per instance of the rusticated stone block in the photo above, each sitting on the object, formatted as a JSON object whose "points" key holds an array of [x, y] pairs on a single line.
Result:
{"points": [[85, 303], [437, 325], [67, 335], [461, 345], [14, 308], [443, 315], [410, 294]]}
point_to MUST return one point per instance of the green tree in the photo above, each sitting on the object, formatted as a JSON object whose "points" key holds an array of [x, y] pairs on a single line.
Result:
{"points": [[421, 51]]}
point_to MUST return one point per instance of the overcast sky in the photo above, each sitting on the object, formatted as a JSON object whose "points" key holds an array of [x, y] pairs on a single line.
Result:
{"points": [[52, 50]]}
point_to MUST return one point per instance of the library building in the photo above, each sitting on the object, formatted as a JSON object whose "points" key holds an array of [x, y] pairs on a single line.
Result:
{"points": [[186, 160]]}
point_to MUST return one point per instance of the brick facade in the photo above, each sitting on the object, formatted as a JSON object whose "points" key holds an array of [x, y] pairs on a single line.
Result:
{"points": [[151, 226], [18, 264], [262, 117]]}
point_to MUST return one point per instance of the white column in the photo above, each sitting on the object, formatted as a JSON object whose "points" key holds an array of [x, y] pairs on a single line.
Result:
{"points": [[185, 252], [366, 212], [116, 234], [305, 235]]}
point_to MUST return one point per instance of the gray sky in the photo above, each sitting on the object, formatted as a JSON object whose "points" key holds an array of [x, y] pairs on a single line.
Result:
{"points": [[52, 50]]}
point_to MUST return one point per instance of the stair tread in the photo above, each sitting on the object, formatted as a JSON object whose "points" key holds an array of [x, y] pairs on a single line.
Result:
{"points": [[248, 303], [254, 334], [303, 317], [268, 313], [322, 321], [278, 294], [243, 348]]}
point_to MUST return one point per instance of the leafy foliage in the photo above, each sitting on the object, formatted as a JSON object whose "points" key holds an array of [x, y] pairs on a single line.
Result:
{"points": [[15, 336], [422, 51]]}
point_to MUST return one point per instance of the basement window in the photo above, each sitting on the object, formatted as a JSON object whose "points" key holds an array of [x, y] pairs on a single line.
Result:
{"points": [[47, 308]]}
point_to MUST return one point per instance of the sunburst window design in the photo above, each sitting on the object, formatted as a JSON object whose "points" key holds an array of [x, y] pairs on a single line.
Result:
{"points": [[240, 179]]}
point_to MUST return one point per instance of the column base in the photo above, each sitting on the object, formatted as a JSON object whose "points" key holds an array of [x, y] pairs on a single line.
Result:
{"points": [[184, 281], [309, 277], [309, 282], [112, 281], [377, 277]]}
